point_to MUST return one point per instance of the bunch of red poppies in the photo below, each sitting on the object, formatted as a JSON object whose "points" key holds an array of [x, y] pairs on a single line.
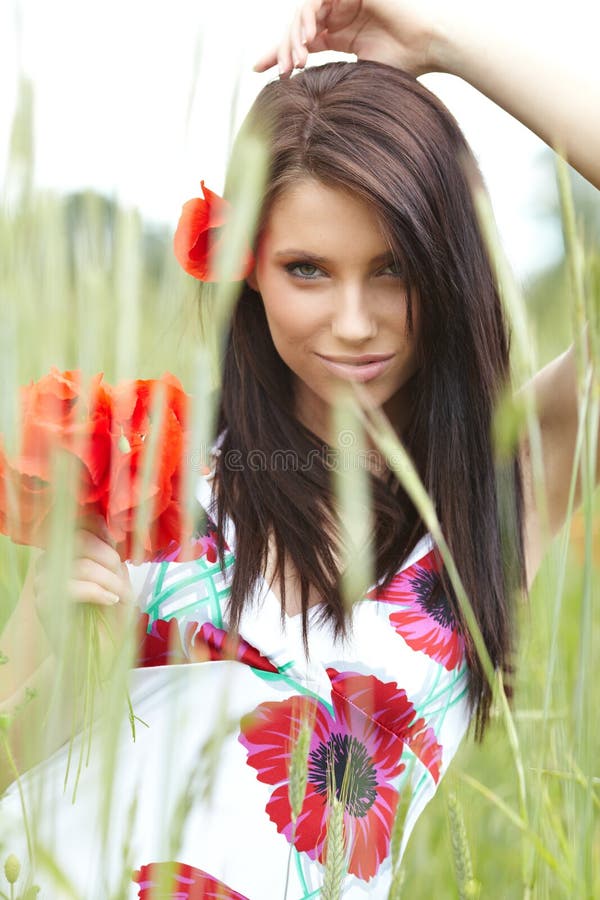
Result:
{"points": [[105, 431]]}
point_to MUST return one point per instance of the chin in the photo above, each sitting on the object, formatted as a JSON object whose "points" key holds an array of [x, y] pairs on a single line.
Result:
{"points": [[378, 395]]}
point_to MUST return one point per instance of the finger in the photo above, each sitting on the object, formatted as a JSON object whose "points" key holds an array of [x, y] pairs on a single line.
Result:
{"points": [[304, 29], [77, 591], [304, 36], [284, 57], [89, 570], [88, 544], [298, 50], [90, 592], [321, 10], [308, 26], [279, 53], [97, 582], [266, 62], [319, 43]]}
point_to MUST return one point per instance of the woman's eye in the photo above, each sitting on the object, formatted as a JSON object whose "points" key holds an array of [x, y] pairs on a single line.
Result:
{"points": [[396, 272], [307, 276], [309, 272]]}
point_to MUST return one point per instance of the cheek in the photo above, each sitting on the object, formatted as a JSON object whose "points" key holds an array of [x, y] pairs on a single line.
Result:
{"points": [[291, 323]]}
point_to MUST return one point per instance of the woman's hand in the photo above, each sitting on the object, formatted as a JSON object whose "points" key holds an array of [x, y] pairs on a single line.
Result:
{"points": [[46, 678], [97, 576], [403, 33]]}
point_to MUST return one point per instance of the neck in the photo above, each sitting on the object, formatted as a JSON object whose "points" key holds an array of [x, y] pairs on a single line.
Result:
{"points": [[316, 415]]}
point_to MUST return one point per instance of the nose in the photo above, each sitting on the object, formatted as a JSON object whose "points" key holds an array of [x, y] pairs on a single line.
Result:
{"points": [[353, 318]]}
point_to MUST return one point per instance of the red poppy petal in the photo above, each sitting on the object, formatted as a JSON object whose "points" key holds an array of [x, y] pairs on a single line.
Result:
{"points": [[198, 218], [425, 746], [216, 644], [369, 836], [161, 645], [422, 632], [267, 734], [193, 223], [178, 881], [310, 833], [218, 208], [383, 702], [196, 242], [244, 269]]}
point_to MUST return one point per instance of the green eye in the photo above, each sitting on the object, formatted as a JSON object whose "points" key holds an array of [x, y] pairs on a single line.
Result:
{"points": [[290, 267], [299, 270], [396, 273]]}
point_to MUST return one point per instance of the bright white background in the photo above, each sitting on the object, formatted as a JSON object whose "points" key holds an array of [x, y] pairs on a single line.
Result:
{"points": [[114, 109]]}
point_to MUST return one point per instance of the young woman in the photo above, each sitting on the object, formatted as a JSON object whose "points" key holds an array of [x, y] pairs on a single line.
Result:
{"points": [[370, 267]]}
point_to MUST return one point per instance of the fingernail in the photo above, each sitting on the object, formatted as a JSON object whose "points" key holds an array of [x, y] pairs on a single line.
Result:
{"points": [[303, 36], [296, 61], [112, 598], [281, 67]]}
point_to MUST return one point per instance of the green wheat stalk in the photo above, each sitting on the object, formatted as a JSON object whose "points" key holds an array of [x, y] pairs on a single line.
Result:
{"points": [[336, 838], [298, 779], [353, 497], [402, 808], [467, 886], [299, 769], [335, 863], [580, 316]]}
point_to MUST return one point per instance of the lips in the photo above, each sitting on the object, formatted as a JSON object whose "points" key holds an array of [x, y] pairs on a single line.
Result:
{"points": [[357, 360], [360, 368]]}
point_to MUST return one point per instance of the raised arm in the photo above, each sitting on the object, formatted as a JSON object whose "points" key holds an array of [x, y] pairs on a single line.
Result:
{"points": [[513, 52], [521, 64]]}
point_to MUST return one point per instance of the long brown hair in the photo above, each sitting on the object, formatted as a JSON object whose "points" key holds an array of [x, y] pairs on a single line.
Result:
{"points": [[375, 130]]}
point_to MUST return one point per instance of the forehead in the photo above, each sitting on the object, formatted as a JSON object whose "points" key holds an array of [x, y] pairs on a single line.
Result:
{"points": [[311, 215]]}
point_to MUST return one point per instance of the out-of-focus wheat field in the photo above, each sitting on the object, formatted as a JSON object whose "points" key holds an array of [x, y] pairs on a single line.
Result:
{"points": [[85, 284]]}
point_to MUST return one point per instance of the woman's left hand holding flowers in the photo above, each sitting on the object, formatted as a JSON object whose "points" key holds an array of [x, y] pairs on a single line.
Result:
{"points": [[97, 577], [111, 462]]}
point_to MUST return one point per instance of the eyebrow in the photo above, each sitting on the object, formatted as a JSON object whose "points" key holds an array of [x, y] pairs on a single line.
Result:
{"points": [[324, 260]]}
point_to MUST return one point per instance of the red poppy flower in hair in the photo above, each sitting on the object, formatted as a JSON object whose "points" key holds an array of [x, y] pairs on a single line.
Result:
{"points": [[197, 242]]}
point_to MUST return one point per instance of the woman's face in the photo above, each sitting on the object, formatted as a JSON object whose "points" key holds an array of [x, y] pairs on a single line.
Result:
{"points": [[332, 295]]}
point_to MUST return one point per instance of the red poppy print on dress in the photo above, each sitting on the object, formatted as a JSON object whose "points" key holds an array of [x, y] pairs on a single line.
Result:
{"points": [[177, 881], [357, 748], [212, 643], [159, 644], [203, 545], [424, 624]]}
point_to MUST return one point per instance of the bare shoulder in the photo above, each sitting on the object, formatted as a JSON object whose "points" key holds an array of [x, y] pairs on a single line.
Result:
{"points": [[555, 400]]}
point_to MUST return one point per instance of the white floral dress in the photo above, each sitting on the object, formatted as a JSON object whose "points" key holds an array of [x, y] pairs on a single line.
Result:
{"points": [[199, 805]]}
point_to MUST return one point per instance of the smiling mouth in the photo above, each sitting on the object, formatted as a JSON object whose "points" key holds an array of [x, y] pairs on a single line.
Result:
{"points": [[360, 368], [357, 360]]}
